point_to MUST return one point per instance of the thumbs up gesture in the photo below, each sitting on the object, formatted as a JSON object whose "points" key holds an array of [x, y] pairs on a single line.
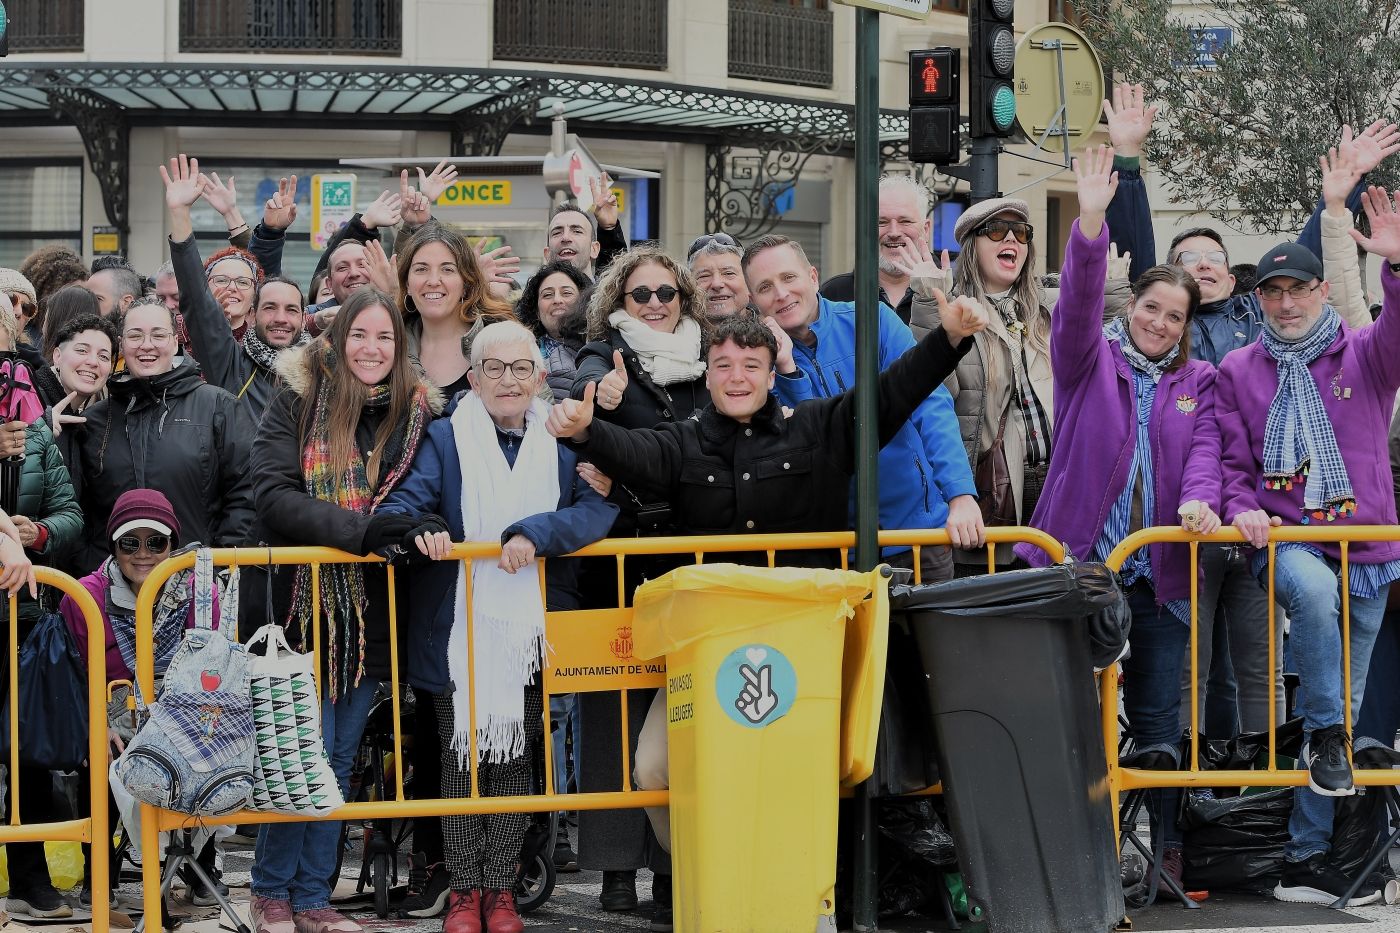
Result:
{"points": [[614, 385], [961, 318], [570, 418]]}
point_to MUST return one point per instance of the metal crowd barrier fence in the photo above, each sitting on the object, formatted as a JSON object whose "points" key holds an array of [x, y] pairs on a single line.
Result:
{"points": [[1191, 775], [591, 652], [94, 827]]}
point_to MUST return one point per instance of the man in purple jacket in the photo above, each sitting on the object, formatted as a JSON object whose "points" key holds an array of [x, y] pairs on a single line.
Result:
{"points": [[1303, 414]]}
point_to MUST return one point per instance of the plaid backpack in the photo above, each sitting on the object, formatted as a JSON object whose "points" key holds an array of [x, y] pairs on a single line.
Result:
{"points": [[194, 752]]}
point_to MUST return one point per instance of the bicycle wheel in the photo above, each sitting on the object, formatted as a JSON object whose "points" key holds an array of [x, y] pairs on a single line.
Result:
{"points": [[536, 883]]}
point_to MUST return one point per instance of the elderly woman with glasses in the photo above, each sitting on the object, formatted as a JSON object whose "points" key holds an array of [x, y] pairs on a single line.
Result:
{"points": [[716, 262], [492, 473], [163, 427]]}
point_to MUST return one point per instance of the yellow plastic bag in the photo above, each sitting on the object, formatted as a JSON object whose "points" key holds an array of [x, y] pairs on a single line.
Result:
{"points": [[65, 866]]}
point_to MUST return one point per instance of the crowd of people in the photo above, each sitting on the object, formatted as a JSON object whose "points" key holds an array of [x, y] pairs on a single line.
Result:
{"points": [[417, 394]]}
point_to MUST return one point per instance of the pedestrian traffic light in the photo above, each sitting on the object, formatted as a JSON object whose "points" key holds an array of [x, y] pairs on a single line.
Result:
{"points": [[934, 106], [992, 53]]}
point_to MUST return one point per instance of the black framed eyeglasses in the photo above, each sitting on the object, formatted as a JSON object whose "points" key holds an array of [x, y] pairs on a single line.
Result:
{"points": [[154, 544], [996, 230], [700, 242], [666, 293], [1297, 292], [495, 369]]}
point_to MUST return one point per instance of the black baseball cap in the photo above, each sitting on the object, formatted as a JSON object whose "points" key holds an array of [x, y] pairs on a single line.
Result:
{"points": [[1291, 259]]}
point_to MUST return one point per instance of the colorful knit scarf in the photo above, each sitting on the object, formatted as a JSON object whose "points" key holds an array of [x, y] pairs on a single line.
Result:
{"points": [[343, 585], [1299, 444]]}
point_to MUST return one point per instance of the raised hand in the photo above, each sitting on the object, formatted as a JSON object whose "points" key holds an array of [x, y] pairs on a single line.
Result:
{"points": [[281, 209], [1118, 265], [1385, 225], [783, 361], [604, 201], [1129, 119], [221, 197], [417, 209], [613, 386], [1378, 141], [433, 184], [1339, 173], [58, 414], [915, 259], [570, 418], [497, 265], [385, 211], [183, 183], [960, 318], [1097, 181], [383, 270]]}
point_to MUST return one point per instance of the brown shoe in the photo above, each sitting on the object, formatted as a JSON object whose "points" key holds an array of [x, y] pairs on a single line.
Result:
{"points": [[325, 920], [498, 910], [269, 915], [463, 912]]}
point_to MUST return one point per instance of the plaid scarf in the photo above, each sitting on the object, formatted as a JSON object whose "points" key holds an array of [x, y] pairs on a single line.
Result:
{"points": [[263, 355], [1298, 441], [343, 585], [1116, 331]]}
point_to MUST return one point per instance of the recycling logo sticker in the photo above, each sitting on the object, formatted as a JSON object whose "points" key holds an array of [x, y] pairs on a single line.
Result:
{"points": [[756, 685]]}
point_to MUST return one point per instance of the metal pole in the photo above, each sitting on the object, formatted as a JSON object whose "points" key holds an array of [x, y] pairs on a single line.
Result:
{"points": [[865, 906], [985, 151]]}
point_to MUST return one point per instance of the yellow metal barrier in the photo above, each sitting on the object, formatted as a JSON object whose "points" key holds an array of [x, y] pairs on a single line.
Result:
{"points": [[1124, 779], [591, 653], [93, 828]]}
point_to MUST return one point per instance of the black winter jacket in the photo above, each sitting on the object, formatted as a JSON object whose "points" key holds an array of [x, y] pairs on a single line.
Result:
{"points": [[175, 433], [774, 474]]}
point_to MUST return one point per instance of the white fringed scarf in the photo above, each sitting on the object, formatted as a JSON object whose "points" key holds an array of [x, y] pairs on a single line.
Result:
{"points": [[507, 609]]}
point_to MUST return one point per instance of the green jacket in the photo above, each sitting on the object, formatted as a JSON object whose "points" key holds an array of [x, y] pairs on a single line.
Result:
{"points": [[46, 498]]}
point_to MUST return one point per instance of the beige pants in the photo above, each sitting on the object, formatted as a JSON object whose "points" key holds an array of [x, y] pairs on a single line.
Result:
{"points": [[651, 770]]}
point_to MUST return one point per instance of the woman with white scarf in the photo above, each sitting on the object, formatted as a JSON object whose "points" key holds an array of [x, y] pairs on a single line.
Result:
{"points": [[647, 325], [492, 473]]}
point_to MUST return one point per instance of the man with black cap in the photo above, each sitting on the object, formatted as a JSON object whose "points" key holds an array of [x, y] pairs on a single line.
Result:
{"points": [[1303, 416]]}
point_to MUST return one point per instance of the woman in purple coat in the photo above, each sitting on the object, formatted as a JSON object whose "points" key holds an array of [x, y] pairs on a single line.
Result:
{"points": [[1135, 445]]}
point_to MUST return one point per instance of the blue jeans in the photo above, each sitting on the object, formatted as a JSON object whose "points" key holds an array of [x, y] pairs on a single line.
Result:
{"points": [[1152, 695], [1311, 590], [563, 716], [294, 861]]}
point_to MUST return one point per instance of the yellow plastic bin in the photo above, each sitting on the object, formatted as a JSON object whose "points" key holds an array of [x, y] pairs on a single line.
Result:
{"points": [[755, 726]]}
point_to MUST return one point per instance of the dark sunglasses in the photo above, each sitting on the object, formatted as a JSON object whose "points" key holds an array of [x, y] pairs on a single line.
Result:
{"points": [[996, 230], [700, 242], [641, 294], [154, 544]]}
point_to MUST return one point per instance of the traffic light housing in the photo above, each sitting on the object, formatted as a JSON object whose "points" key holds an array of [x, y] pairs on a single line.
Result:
{"points": [[992, 57], [935, 106]]}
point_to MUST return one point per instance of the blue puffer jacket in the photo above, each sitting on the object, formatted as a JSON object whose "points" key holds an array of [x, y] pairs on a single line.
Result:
{"points": [[434, 486], [925, 466]]}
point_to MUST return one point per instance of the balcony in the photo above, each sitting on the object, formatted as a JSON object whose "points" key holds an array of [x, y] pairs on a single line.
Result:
{"points": [[355, 27], [770, 40], [611, 33], [45, 25]]}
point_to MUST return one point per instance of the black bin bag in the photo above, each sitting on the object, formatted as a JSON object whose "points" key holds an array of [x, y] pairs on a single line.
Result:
{"points": [[1009, 665]]}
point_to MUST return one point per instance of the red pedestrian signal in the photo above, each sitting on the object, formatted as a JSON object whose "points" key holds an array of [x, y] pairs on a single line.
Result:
{"points": [[930, 74], [934, 106], [933, 76]]}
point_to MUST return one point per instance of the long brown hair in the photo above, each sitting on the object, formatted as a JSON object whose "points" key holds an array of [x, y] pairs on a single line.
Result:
{"points": [[1172, 276], [607, 297], [348, 395], [477, 300]]}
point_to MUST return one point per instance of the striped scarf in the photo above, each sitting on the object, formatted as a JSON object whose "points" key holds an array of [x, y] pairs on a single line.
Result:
{"points": [[1116, 331], [1299, 445], [343, 585]]}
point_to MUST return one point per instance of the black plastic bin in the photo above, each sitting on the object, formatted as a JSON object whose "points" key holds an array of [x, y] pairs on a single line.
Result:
{"points": [[1009, 660]]}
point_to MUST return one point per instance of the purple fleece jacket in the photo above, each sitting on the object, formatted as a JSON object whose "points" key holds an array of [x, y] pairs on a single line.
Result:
{"points": [[1096, 428], [1357, 377]]}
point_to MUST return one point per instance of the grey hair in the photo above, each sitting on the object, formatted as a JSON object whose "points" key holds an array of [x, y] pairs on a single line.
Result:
{"points": [[163, 271], [898, 181], [503, 334], [713, 248]]}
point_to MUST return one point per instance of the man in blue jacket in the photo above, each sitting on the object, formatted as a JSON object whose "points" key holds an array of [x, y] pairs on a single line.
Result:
{"points": [[925, 478]]}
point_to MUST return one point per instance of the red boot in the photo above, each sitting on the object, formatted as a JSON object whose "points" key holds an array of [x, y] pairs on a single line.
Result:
{"points": [[463, 913], [498, 909]]}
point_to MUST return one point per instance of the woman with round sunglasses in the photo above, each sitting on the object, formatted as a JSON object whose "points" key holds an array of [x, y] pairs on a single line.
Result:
{"points": [[647, 325], [1003, 392]]}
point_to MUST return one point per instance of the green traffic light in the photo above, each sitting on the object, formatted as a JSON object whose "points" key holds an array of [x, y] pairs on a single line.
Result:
{"points": [[1003, 108]]}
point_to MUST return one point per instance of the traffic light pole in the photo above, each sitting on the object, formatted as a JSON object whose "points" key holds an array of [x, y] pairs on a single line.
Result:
{"points": [[865, 900], [982, 168]]}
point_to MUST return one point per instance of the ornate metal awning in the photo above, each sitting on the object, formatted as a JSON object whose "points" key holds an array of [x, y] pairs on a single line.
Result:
{"points": [[480, 107]]}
